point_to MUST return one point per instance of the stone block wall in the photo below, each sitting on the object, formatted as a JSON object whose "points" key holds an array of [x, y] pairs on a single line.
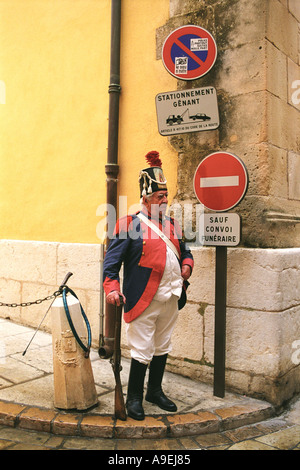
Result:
{"points": [[254, 74], [33, 270], [263, 322]]}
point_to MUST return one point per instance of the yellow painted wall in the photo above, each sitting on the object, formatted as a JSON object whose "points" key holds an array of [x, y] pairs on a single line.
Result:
{"points": [[54, 61]]}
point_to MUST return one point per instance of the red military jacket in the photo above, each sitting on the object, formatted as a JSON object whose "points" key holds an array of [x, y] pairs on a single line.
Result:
{"points": [[143, 253]]}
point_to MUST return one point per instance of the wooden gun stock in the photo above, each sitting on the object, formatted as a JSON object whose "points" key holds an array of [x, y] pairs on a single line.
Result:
{"points": [[120, 411]]}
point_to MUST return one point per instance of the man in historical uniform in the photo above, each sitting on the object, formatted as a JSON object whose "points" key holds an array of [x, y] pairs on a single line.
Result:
{"points": [[156, 264]]}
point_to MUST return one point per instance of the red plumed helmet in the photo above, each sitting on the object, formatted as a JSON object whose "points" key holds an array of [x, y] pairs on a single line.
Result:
{"points": [[152, 179], [153, 158]]}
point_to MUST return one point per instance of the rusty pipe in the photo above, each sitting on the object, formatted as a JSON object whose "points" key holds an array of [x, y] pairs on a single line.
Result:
{"points": [[106, 349]]}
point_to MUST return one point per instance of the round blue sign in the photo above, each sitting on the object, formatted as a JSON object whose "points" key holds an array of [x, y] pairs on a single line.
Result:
{"points": [[189, 52]]}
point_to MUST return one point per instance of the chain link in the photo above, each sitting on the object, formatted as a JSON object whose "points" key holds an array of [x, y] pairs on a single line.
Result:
{"points": [[35, 302]]}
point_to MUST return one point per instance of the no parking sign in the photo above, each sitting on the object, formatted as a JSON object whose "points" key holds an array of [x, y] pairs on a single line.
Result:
{"points": [[189, 52]]}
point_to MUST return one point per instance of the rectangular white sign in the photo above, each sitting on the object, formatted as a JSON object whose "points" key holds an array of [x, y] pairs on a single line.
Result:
{"points": [[219, 229], [190, 110]]}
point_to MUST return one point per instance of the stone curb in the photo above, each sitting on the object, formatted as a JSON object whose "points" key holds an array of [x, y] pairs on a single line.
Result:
{"points": [[156, 427]]}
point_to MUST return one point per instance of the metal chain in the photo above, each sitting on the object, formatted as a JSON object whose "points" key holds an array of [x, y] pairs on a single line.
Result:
{"points": [[35, 302]]}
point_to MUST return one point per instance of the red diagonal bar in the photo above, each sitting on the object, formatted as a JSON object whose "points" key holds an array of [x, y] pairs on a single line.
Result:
{"points": [[190, 53]]}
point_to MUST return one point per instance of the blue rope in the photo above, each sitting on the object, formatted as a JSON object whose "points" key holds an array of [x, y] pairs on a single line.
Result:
{"points": [[87, 348]]}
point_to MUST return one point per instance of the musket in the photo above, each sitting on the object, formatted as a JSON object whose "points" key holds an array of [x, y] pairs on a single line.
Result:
{"points": [[101, 313], [106, 338], [120, 411]]}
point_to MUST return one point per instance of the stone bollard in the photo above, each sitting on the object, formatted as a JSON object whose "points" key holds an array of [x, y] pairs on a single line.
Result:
{"points": [[74, 386]]}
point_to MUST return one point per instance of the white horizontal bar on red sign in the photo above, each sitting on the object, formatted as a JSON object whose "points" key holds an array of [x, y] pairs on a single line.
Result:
{"points": [[219, 181]]}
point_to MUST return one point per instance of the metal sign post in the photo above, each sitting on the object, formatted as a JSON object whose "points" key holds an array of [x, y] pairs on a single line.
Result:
{"points": [[220, 183], [220, 321]]}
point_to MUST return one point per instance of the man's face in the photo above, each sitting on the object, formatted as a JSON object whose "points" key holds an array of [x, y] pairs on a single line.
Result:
{"points": [[157, 203]]}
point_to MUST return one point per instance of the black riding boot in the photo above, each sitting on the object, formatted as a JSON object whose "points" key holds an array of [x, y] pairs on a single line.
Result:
{"points": [[136, 390], [154, 391]]}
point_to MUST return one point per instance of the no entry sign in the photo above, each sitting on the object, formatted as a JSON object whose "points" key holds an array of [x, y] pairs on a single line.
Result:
{"points": [[189, 52], [220, 181]]}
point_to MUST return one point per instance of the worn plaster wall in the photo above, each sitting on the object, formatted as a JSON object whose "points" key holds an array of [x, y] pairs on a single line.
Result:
{"points": [[55, 65]]}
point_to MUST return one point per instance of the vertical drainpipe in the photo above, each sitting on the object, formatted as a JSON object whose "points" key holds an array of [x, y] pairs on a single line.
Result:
{"points": [[112, 167]]}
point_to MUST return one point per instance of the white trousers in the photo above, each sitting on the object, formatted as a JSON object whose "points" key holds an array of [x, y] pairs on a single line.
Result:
{"points": [[150, 334]]}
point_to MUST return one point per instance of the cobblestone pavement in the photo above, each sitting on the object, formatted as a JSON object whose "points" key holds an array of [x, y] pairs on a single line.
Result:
{"points": [[280, 433], [29, 421]]}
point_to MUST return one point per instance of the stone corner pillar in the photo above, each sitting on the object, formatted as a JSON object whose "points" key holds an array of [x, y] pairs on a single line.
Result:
{"points": [[74, 386]]}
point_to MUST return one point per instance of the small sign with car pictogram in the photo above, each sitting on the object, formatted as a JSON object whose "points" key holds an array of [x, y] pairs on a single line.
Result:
{"points": [[190, 110]]}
